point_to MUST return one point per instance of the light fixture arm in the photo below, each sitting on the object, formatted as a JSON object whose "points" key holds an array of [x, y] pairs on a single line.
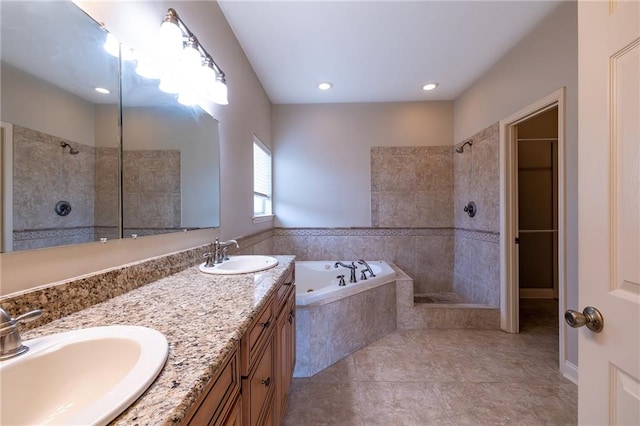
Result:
{"points": [[173, 17]]}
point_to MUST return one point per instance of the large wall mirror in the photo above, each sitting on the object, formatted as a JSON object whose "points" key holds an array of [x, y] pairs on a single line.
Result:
{"points": [[62, 157]]}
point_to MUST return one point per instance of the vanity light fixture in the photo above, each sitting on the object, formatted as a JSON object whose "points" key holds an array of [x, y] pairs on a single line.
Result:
{"points": [[182, 65], [102, 90], [325, 86], [429, 86], [112, 46]]}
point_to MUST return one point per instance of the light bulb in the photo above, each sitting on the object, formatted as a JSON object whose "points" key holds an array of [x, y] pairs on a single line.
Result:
{"points": [[169, 41], [111, 45], [219, 93], [187, 98], [207, 78], [170, 81], [146, 69]]}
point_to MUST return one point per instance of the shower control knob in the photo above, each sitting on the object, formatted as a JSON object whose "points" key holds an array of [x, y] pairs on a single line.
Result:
{"points": [[471, 209], [63, 208], [591, 317]]}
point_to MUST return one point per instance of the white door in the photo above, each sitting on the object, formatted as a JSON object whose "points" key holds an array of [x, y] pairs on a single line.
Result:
{"points": [[609, 210]]}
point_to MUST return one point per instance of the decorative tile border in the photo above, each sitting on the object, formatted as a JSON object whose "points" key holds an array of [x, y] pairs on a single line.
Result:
{"points": [[362, 232], [40, 234], [490, 237], [253, 239]]}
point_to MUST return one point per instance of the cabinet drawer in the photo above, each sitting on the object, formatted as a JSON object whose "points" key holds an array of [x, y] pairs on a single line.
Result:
{"points": [[285, 288], [221, 389], [260, 387], [254, 339]]}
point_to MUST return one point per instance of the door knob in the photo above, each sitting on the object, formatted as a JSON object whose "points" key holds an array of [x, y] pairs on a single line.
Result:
{"points": [[591, 317]]}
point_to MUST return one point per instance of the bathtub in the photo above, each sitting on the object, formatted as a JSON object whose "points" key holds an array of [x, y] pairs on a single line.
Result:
{"points": [[317, 280], [333, 321]]}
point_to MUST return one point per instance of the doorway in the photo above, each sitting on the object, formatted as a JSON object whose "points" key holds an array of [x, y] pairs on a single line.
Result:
{"points": [[531, 158], [537, 195]]}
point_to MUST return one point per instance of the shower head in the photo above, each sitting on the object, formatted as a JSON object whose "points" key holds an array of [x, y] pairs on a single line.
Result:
{"points": [[72, 150], [460, 149]]}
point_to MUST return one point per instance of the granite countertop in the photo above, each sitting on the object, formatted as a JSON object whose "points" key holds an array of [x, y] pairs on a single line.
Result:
{"points": [[202, 316]]}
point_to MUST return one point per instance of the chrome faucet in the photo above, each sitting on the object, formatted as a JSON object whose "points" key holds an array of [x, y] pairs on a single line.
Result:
{"points": [[220, 249], [10, 340], [353, 268], [367, 269]]}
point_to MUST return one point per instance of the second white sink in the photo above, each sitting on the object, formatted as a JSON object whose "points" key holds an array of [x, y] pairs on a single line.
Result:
{"points": [[241, 265], [87, 376]]}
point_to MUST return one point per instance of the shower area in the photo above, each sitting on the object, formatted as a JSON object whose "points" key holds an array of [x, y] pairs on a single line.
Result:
{"points": [[448, 257], [56, 191], [448, 197]]}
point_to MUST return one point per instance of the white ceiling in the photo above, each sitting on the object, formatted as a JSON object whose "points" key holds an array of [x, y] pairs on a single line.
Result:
{"points": [[376, 51]]}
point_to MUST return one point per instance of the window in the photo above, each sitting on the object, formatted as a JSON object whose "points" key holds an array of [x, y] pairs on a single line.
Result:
{"points": [[261, 180]]}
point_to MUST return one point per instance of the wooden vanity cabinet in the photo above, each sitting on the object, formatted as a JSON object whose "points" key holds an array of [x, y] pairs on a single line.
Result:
{"points": [[267, 366], [285, 351], [220, 402], [252, 386]]}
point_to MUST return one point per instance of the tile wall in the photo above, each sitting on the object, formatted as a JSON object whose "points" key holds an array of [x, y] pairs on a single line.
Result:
{"points": [[476, 266], [417, 199], [417, 251], [44, 174], [412, 187], [107, 183], [152, 190]]}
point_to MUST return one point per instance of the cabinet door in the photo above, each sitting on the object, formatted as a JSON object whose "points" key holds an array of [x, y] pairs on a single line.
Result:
{"points": [[257, 389], [221, 390], [285, 355], [235, 415]]}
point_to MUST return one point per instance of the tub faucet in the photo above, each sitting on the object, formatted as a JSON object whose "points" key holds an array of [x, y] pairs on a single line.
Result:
{"points": [[10, 340], [220, 249], [353, 268], [367, 268]]}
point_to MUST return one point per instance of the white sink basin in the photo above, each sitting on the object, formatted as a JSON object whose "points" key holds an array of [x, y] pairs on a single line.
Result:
{"points": [[241, 265], [82, 377]]}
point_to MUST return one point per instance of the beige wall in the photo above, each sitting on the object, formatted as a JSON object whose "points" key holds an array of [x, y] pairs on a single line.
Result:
{"points": [[33, 103], [322, 167], [248, 112], [543, 62]]}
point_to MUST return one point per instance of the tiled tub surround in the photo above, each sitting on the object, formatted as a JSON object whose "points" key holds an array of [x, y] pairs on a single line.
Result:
{"points": [[327, 331], [428, 255], [182, 307], [342, 322]]}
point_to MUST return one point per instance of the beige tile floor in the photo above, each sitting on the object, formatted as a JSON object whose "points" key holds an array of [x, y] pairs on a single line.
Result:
{"points": [[445, 377]]}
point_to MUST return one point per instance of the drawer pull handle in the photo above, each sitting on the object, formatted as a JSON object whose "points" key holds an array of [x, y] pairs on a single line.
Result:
{"points": [[292, 315], [265, 324], [289, 283], [266, 382]]}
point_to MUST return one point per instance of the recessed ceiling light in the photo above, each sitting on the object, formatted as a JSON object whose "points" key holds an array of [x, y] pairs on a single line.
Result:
{"points": [[429, 86], [325, 86], [102, 90]]}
